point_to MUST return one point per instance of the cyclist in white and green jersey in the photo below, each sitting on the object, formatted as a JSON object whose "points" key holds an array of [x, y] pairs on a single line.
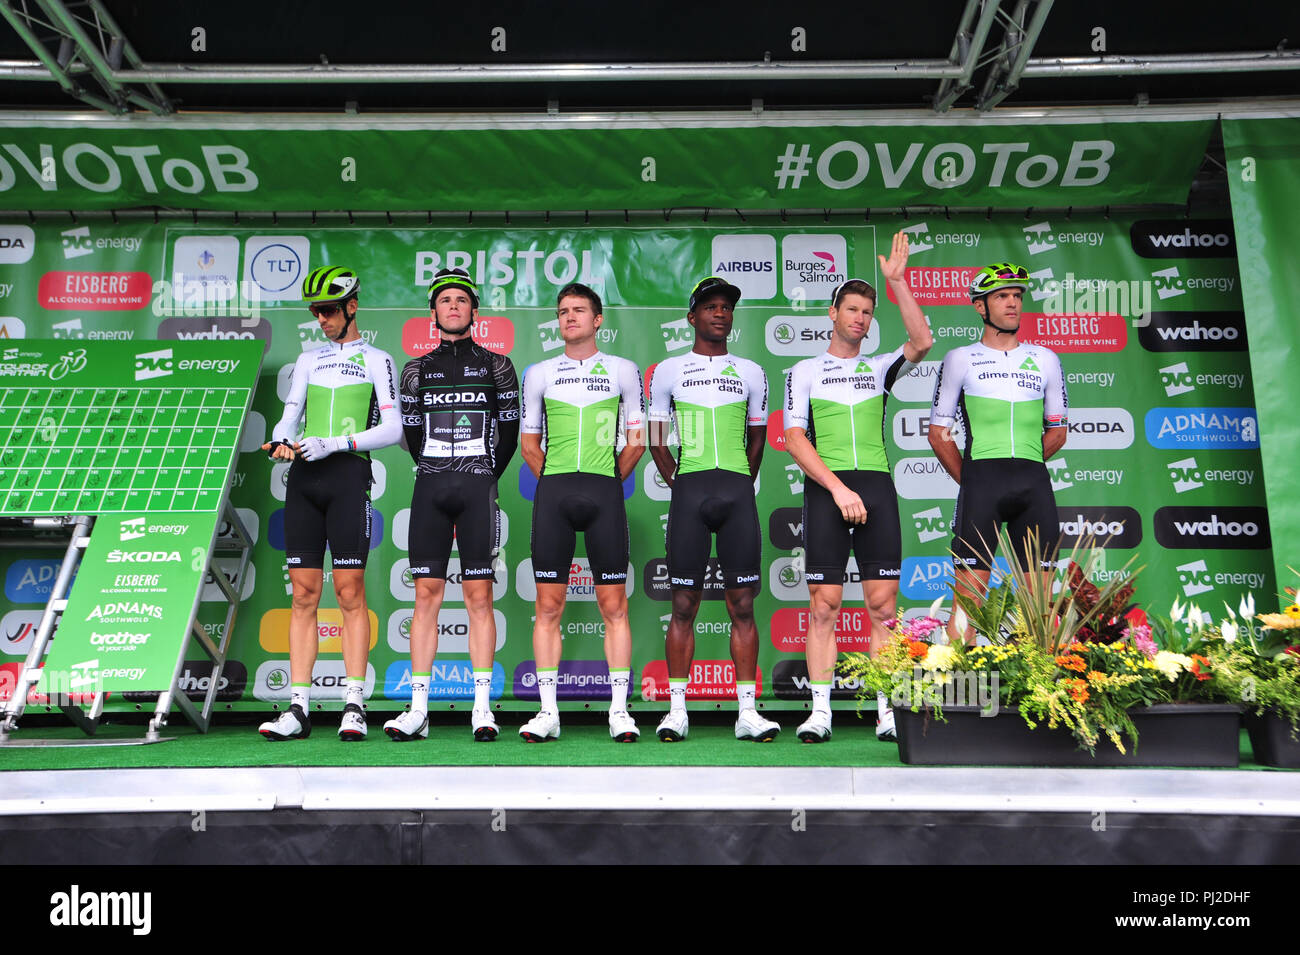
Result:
{"points": [[590, 409], [1012, 403], [345, 395], [718, 402], [834, 429]]}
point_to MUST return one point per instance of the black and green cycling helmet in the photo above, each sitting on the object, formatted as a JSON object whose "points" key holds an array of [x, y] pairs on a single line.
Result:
{"points": [[453, 278], [328, 284], [997, 276]]}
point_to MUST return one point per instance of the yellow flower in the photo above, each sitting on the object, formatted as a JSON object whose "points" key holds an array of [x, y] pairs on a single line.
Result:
{"points": [[1280, 621], [939, 657], [1171, 664]]}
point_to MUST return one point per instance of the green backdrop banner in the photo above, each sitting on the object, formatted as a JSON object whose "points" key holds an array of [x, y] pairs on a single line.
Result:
{"points": [[853, 165], [1162, 457], [1264, 179]]}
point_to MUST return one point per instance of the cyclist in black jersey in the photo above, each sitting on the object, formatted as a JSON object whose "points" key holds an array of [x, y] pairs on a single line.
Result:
{"points": [[460, 420]]}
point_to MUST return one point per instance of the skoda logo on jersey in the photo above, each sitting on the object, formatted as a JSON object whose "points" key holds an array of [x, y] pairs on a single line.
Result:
{"points": [[276, 264]]}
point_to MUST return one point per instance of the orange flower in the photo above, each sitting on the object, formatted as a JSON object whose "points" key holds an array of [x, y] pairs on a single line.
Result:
{"points": [[1072, 662], [1078, 690], [1096, 675], [916, 649], [1198, 662]]}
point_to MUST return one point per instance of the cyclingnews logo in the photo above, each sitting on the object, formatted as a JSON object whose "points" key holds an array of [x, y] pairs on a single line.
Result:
{"points": [[575, 680]]}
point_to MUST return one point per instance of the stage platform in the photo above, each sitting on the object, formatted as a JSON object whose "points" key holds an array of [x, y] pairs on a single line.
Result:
{"points": [[231, 797]]}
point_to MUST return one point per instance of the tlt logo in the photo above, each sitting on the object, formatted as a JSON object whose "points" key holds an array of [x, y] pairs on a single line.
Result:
{"points": [[1184, 474], [677, 335], [153, 364], [1060, 476], [132, 529], [549, 333], [76, 243], [1039, 237], [1168, 282], [1195, 578], [930, 525], [1177, 379]]}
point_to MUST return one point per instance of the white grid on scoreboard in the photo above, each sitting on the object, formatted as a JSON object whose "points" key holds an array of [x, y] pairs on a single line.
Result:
{"points": [[87, 450]]}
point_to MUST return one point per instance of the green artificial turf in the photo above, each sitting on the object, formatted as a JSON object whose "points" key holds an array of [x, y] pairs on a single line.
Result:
{"points": [[450, 744]]}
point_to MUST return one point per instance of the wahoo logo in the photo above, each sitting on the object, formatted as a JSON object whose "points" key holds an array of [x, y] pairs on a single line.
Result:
{"points": [[1195, 528], [1038, 237], [76, 243], [153, 364], [930, 525], [1177, 380], [785, 527], [1184, 474], [1194, 578], [677, 335], [1194, 331], [1183, 239], [132, 529], [1028, 364], [1101, 527]]}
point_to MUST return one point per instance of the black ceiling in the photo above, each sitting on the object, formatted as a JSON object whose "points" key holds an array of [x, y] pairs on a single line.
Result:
{"points": [[242, 32]]}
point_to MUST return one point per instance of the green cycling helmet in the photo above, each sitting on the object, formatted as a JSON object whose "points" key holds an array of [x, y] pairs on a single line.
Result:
{"points": [[453, 278], [330, 283], [1000, 275]]}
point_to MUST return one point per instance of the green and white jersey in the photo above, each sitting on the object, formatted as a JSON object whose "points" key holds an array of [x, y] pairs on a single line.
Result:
{"points": [[348, 389], [840, 403], [1004, 398], [715, 399], [585, 408]]}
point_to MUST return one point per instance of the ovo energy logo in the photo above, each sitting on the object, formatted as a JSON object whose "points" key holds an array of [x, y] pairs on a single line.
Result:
{"points": [[76, 242], [153, 364], [1195, 578]]}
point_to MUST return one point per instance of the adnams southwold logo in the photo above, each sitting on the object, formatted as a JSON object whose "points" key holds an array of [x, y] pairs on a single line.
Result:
{"points": [[1217, 428], [813, 266], [1187, 475], [748, 262]]}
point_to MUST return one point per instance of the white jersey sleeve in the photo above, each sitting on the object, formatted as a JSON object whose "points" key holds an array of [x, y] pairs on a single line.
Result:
{"points": [[534, 388], [798, 395], [1056, 404], [632, 394], [296, 402], [756, 385], [662, 380], [383, 378], [947, 388]]}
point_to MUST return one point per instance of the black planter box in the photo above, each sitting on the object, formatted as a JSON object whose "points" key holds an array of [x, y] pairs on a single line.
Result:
{"points": [[1271, 739], [1169, 734]]}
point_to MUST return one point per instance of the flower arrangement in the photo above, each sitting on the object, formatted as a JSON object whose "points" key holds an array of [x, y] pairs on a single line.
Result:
{"points": [[1260, 664], [1060, 649]]}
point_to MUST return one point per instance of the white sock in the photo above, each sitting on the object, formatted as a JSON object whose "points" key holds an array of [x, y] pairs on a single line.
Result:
{"points": [[882, 702], [618, 681], [300, 695], [482, 689], [677, 695], [354, 691], [821, 694], [745, 694], [546, 688], [419, 692]]}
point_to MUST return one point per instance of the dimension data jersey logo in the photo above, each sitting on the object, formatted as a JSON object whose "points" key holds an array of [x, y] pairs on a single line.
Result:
{"points": [[1183, 238], [1194, 331], [1208, 428], [1235, 528]]}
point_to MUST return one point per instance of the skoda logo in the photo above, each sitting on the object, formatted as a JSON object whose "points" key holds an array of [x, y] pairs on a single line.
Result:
{"points": [[789, 577], [404, 628], [277, 679], [783, 333]]}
